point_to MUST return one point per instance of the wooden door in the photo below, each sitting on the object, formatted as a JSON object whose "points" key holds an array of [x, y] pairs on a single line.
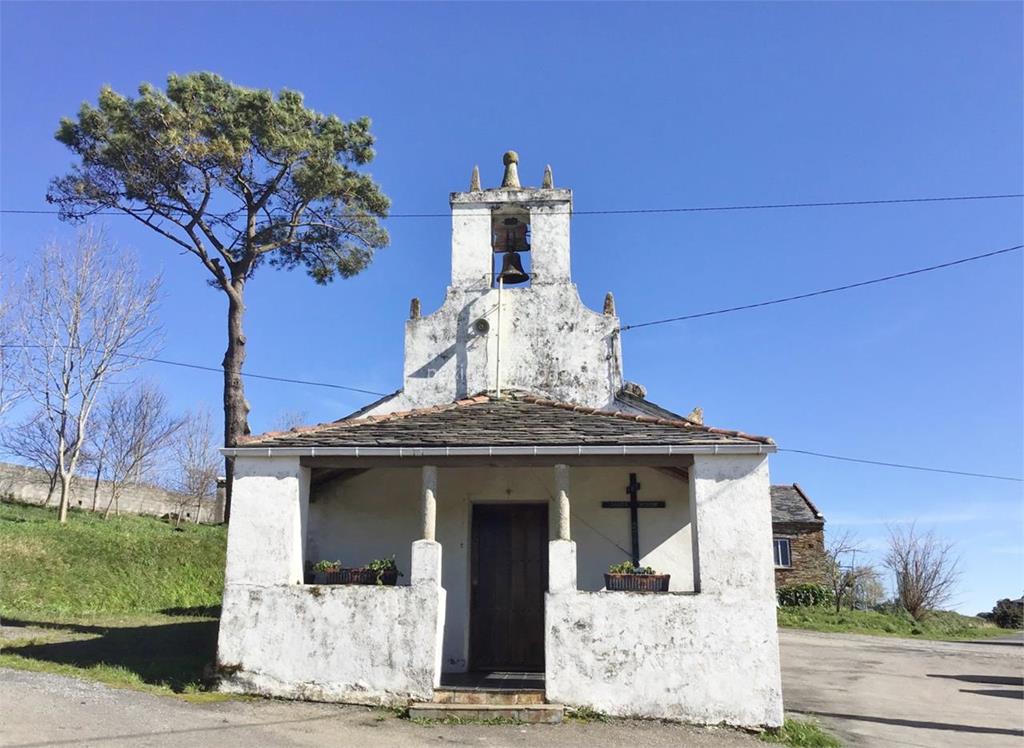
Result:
{"points": [[509, 578]]}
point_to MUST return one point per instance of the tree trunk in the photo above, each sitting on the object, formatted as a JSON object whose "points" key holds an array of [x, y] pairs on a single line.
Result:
{"points": [[53, 487], [65, 497], [236, 408], [96, 487]]}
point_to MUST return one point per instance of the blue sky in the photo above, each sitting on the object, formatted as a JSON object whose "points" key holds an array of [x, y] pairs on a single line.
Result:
{"points": [[636, 106]]}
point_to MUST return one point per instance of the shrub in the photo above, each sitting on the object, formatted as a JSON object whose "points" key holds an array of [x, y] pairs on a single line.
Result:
{"points": [[805, 596], [1008, 614]]}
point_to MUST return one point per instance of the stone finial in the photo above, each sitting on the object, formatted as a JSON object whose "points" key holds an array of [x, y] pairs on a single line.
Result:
{"points": [[696, 415], [474, 180], [634, 389], [609, 304], [511, 179], [414, 309], [549, 180]]}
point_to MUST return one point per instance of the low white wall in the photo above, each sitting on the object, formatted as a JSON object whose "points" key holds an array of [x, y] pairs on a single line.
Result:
{"points": [[358, 644], [688, 656]]}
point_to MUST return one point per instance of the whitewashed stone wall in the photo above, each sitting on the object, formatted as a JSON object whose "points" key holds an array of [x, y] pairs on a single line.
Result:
{"points": [[550, 343], [357, 644], [279, 637], [711, 656]]}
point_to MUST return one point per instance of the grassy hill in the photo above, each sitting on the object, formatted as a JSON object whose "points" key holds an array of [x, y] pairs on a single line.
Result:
{"points": [[129, 601], [93, 567], [939, 624]]}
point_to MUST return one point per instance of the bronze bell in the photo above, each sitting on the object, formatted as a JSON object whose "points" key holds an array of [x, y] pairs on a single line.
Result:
{"points": [[512, 272]]}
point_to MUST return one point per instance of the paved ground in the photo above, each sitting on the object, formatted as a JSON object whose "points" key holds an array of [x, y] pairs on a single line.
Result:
{"points": [[875, 691], [48, 710], [871, 691]]}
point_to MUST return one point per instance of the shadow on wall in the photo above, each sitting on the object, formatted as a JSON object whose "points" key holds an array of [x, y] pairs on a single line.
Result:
{"points": [[169, 654]]}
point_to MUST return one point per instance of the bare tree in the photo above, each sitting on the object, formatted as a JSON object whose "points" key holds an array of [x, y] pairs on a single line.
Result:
{"points": [[10, 386], [34, 443], [85, 317], [137, 427], [197, 461], [288, 419], [925, 567], [839, 569]]}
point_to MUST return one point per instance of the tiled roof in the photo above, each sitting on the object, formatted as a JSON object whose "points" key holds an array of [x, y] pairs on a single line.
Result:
{"points": [[791, 504], [513, 420]]}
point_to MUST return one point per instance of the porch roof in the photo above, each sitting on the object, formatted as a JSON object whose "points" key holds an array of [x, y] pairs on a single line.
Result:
{"points": [[514, 421]]}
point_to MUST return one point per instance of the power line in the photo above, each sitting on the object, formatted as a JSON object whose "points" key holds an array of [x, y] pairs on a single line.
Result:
{"points": [[902, 466], [372, 392], [823, 291], [639, 211], [217, 370]]}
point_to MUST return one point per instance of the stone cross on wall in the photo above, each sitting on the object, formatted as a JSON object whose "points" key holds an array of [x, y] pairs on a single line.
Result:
{"points": [[633, 505]]}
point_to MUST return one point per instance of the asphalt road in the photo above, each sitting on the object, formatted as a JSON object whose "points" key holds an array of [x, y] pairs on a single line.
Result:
{"points": [[875, 691], [38, 709]]}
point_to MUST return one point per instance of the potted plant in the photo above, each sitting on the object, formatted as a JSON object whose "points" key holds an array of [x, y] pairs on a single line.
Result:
{"points": [[327, 572], [629, 578], [382, 571]]}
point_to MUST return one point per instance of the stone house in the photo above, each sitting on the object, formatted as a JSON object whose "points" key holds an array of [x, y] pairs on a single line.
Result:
{"points": [[512, 468], [798, 537]]}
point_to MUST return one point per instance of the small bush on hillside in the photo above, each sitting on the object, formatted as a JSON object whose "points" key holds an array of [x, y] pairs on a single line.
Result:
{"points": [[805, 596], [1007, 614]]}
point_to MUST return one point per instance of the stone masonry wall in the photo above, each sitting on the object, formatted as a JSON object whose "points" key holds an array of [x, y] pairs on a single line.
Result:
{"points": [[806, 546], [27, 485]]}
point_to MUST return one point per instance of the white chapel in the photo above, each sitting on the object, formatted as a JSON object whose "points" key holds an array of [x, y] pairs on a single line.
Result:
{"points": [[513, 469]]}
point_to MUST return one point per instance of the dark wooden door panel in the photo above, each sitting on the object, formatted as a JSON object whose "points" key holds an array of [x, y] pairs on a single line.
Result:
{"points": [[509, 578]]}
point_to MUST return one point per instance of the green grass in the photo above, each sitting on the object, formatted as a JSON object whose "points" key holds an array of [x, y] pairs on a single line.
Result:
{"points": [[94, 567], [937, 625], [801, 734], [130, 602]]}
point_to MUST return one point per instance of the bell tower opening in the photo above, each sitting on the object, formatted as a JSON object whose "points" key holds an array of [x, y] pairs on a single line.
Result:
{"points": [[510, 246]]}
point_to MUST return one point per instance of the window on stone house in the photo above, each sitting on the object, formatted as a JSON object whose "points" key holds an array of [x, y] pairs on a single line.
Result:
{"points": [[783, 559]]}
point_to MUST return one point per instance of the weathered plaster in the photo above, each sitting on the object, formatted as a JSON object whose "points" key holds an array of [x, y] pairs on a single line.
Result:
{"points": [[551, 344], [266, 535], [711, 656], [279, 637], [352, 643]]}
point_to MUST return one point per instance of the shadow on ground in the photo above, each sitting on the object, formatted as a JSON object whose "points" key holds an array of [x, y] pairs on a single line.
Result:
{"points": [[167, 654]]}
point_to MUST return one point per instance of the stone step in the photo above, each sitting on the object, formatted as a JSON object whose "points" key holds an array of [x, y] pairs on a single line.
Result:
{"points": [[456, 695], [532, 713]]}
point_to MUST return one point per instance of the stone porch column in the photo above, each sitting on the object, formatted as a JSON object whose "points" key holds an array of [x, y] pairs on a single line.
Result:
{"points": [[429, 502], [562, 552], [426, 553]]}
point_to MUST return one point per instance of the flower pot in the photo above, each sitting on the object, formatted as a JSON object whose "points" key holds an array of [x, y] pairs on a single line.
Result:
{"points": [[636, 582], [357, 576]]}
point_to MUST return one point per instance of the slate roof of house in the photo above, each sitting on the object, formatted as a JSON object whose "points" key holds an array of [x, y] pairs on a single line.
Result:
{"points": [[514, 420], [791, 505]]}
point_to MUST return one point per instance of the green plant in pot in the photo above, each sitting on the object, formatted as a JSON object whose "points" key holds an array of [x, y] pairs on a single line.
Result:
{"points": [[385, 570], [629, 577], [327, 572]]}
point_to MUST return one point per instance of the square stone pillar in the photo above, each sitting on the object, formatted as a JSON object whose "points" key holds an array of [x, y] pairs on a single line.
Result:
{"points": [[426, 563], [730, 513], [267, 532], [561, 567]]}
